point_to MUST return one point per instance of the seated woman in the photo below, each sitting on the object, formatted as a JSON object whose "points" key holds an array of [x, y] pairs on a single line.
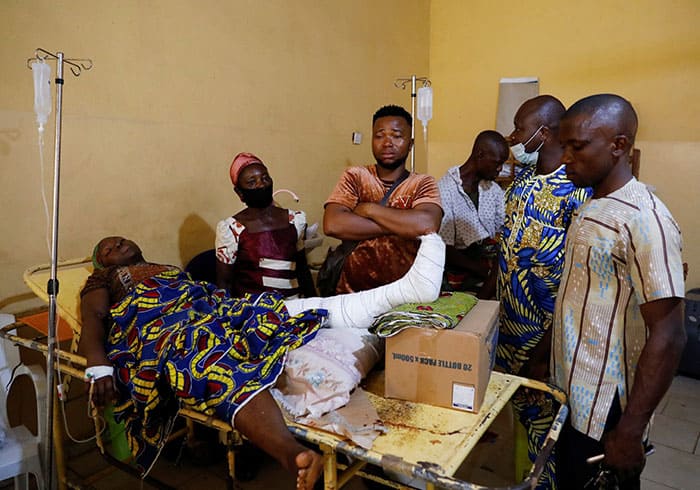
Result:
{"points": [[261, 248], [156, 340]]}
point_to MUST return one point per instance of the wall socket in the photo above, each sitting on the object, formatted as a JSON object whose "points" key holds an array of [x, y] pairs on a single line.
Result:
{"points": [[356, 137]]}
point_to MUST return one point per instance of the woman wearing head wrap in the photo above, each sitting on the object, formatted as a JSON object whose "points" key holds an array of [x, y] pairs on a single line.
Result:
{"points": [[261, 248], [155, 340]]}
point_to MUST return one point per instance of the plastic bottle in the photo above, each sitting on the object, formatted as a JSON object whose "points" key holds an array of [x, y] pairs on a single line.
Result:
{"points": [[425, 107], [42, 92]]}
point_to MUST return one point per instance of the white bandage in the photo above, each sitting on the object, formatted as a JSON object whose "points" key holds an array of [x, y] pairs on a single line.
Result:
{"points": [[96, 372], [421, 284]]}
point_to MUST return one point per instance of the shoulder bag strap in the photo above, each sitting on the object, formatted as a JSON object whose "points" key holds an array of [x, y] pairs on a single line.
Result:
{"points": [[391, 189]]}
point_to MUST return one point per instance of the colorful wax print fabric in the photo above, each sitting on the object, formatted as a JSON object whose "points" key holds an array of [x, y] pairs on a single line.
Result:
{"points": [[176, 343], [539, 209]]}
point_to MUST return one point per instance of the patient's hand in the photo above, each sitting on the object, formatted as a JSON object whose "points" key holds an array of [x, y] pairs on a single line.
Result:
{"points": [[103, 391], [101, 385]]}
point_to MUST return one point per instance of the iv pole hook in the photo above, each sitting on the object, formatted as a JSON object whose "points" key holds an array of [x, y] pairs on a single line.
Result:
{"points": [[76, 64], [401, 83]]}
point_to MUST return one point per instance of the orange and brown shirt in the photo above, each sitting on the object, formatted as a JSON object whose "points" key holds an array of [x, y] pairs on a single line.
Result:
{"points": [[378, 261]]}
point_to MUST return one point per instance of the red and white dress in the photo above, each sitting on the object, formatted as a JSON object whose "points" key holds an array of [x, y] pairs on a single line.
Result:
{"points": [[265, 260]]}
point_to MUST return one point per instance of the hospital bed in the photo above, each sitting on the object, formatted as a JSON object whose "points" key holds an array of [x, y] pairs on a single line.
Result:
{"points": [[423, 443]]}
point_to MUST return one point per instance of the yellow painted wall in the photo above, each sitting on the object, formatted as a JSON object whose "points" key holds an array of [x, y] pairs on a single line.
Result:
{"points": [[646, 50], [177, 89]]}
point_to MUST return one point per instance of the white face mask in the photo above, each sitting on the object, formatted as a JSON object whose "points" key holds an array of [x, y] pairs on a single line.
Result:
{"points": [[523, 156]]}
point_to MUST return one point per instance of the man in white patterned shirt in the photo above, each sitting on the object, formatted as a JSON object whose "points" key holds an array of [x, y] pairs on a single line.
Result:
{"points": [[618, 320], [474, 211]]}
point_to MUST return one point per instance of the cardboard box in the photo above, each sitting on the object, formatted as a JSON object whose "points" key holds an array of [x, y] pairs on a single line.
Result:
{"points": [[448, 368]]}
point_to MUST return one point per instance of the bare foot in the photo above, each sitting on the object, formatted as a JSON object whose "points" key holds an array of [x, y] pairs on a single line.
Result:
{"points": [[309, 466]]}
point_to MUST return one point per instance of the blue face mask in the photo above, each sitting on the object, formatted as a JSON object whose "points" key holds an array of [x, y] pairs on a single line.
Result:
{"points": [[523, 156]]}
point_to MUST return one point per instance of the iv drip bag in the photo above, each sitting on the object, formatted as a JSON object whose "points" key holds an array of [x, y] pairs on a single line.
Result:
{"points": [[42, 92], [425, 107]]}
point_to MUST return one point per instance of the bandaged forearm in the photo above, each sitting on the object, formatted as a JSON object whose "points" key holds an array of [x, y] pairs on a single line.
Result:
{"points": [[97, 372], [421, 284]]}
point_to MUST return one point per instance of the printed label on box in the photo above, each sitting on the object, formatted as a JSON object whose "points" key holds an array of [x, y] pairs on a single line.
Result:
{"points": [[463, 396]]}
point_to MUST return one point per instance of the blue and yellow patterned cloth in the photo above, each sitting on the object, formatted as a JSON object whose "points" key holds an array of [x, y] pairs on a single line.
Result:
{"points": [[539, 209], [180, 343]]}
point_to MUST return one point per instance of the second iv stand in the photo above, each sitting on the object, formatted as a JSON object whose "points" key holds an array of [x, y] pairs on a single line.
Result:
{"points": [[401, 83]]}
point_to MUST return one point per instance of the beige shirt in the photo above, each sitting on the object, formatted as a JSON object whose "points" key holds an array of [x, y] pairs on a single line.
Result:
{"points": [[622, 250]]}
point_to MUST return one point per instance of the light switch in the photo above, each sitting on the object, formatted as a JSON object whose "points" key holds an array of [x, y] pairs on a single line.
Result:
{"points": [[356, 137]]}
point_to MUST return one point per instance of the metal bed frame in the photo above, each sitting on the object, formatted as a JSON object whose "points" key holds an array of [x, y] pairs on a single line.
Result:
{"points": [[423, 442]]}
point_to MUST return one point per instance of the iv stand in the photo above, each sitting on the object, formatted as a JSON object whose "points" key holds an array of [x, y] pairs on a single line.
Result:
{"points": [[401, 83], [76, 66]]}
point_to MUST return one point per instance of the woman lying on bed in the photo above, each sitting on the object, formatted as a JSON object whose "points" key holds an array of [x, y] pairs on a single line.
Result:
{"points": [[156, 340]]}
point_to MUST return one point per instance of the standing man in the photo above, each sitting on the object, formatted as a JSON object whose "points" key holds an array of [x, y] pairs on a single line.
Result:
{"points": [[474, 212], [618, 325], [386, 234], [539, 206]]}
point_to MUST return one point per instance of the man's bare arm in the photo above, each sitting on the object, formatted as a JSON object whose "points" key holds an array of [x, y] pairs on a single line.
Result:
{"points": [[341, 222], [406, 223], [655, 370]]}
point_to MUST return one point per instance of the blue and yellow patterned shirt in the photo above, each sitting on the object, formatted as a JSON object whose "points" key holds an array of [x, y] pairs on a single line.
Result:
{"points": [[539, 209]]}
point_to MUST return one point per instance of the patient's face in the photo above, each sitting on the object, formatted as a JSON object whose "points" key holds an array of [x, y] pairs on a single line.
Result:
{"points": [[116, 250]]}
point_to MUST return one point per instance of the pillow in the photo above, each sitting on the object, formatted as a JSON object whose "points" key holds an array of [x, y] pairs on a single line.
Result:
{"points": [[319, 376]]}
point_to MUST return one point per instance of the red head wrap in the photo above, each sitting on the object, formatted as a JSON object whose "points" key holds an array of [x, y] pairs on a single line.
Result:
{"points": [[241, 161]]}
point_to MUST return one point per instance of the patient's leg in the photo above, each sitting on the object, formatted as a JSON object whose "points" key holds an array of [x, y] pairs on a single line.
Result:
{"points": [[358, 310], [260, 420]]}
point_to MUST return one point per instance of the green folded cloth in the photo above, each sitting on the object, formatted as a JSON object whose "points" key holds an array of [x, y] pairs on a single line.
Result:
{"points": [[443, 313]]}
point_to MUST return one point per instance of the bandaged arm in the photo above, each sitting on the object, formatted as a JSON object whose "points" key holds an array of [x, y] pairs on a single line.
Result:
{"points": [[94, 308]]}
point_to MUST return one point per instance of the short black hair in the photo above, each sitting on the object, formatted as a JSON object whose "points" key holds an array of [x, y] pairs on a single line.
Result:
{"points": [[490, 137], [548, 110], [393, 110], [610, 109]]}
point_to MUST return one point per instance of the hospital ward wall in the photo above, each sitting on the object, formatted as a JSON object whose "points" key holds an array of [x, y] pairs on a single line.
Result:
{"points": [[647, 51], [177, 89]]}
